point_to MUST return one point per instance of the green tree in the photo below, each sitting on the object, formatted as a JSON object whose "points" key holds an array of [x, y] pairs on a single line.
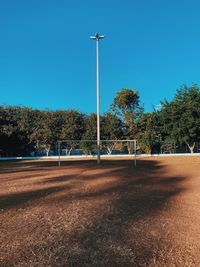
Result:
{"points": [[181, 117], [148, 135], [13, 128], [40, 130], [111, 129], [90, 127], [67, 125], [87, 147], [126, 105]]}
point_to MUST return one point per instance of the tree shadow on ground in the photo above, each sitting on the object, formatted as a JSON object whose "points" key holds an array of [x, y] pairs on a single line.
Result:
{"points": [[137, 200], [13, 166], [23, 199], [126, 231]]}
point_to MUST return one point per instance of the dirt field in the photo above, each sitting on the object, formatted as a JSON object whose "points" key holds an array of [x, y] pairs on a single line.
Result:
{"points": [[114, 214]]}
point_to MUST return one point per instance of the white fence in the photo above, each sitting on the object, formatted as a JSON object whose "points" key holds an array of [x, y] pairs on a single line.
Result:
{"points": [[102, 156]]}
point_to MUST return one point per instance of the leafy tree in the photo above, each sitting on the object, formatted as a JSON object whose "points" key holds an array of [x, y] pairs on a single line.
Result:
{"points": [[148, 133], [90, 127], [111, 129], [181, 117], [126, 106], [67, 125], [40, 130], [23, 129], [75, 123], [13, 125], [87, 147], [58, 125]]}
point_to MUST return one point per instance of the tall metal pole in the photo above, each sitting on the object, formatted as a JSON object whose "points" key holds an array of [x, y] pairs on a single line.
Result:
{"points": [[98, 102], [97, 38]]}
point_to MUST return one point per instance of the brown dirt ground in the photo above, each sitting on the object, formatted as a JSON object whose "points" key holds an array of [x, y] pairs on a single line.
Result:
{"points": [[114, 214]]}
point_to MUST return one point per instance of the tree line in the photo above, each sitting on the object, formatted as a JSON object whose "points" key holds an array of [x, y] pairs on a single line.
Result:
{"points": [[24, 130]]}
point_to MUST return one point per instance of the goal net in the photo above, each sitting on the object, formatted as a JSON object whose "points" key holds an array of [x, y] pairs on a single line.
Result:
{"points": [[89, 149]]}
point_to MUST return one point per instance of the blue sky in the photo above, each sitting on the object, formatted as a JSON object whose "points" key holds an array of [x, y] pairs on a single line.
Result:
{"points": [[48, 61]]}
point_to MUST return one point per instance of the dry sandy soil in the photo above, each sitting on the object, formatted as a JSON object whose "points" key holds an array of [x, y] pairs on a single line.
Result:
{"points": [[114, 214]]}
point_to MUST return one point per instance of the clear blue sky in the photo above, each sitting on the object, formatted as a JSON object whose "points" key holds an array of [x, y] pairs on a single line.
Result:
{"points": [[48, 61]]}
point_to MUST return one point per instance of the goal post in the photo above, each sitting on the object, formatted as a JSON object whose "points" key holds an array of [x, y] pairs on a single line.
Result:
{"points": [[88, 148]]}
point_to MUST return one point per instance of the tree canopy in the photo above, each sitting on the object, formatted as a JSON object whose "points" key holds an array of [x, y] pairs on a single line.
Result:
{"points": [[127, 106], [25, 130], [180, 118]]}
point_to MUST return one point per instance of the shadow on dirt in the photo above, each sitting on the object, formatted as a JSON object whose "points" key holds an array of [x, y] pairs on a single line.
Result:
{"points": [[120, 233], [23, 199], [14, 166]]}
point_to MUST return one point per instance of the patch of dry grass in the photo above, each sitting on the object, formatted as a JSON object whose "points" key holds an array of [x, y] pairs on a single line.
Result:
{"points": [[114, 214]]}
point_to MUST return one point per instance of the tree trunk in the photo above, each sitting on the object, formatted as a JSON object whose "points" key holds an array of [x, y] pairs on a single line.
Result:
{"points": [[130, 148], [109, 150], [47, 152], [47, 149], [70, 151], [191, 146]]}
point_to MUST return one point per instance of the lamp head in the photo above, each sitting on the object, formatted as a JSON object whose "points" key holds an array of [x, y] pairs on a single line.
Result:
{"points": [[97, 37]]}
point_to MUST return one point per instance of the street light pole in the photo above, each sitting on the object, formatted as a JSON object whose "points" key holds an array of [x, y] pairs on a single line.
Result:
{"points": [[97, 37]]}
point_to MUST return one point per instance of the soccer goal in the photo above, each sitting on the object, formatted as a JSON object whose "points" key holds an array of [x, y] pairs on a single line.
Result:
{"points": [[78, 149]]}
